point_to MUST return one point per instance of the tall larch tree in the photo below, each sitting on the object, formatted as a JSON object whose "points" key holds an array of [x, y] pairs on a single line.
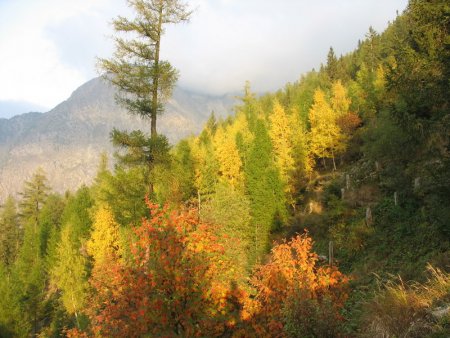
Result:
{"points": [[104, 242], [29, 268], [143, 79], [230, 165], [69, 274], [325, 134], [33, 198], [265, 192], [339, 99], [9, 232], [281, 135]]}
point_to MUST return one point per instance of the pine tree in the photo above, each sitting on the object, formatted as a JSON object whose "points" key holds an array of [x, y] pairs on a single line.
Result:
{"points": [[29, 269], [50, 221], [9, 232], [265, 191], [33, 197], [332, 65], [77, 213]]}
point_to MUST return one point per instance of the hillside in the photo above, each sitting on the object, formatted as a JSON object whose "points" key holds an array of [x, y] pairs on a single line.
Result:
{"points": [[319, 210], [68, 140]]}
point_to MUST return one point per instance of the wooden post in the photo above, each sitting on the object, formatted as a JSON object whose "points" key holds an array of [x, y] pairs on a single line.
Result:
{"points": [[369, 218], [347, 181], [342, 193], [330, 253], [395, 198], [416, 183]]}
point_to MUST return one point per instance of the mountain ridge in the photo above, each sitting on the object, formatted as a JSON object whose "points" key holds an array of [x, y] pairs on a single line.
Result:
{"points": [[67, 140]]}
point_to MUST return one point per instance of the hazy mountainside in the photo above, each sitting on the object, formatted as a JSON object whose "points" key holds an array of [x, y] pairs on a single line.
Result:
{"points": [[10, 108], [66, 141]]}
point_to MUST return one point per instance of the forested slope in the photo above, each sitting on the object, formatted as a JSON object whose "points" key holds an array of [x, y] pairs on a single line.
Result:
{"points": [[320, 210]]}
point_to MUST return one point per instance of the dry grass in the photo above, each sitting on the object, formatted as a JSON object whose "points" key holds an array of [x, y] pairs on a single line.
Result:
{"points": [[410, 310]]}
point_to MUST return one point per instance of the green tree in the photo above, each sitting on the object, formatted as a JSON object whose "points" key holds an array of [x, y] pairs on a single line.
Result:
{"points": [[332, 65], [29, 271], [69, 273], [34, 195], [29, 277], [11, 318], [230, 209], [9, 232], [265, 191], [50, 221], [77, 213], [144, 81]]}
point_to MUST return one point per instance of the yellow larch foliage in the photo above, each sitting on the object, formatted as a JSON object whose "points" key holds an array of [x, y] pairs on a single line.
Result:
{"points": [[281, 134], [69, 273], [104, 242], [204, 165], [197, 153], [380, 81], [226, 151], [325, 136], [303, 161], [240, 125], [339, 100]]}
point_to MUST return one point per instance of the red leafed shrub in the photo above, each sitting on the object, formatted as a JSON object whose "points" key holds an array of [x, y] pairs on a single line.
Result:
{"points": [[173, 287]]}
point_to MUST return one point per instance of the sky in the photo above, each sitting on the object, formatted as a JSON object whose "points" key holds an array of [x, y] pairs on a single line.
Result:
{"points": [[49, 47]]}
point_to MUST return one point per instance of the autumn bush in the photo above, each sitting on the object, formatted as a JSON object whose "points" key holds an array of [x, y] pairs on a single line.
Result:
{"points": [[178, 283], [295, 296]]}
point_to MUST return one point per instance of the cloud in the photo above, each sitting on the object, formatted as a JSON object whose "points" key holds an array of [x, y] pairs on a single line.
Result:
{"points": [[49, 46], [269, 43], [36, 66]]}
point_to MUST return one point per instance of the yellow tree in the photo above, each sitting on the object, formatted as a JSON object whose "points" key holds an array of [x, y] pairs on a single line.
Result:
{"points": [[325, 135], [339, 100], [281, 135], [104, 242], [380, 82], [230, 164]]}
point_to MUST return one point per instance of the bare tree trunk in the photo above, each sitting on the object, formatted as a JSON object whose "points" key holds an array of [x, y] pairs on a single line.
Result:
{"points": [[156, 76], [334, 162]]}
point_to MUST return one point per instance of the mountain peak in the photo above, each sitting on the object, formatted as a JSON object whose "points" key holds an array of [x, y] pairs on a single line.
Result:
{"points": [[68, 140]]}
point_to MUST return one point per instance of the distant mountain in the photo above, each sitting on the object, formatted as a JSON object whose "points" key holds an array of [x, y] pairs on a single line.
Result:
{"points": [[67, 141], [10, 108]]}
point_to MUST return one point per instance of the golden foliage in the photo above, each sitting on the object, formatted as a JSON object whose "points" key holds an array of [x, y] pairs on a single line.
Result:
{"points": [[230, 164], [282, 138], [105, 239]]}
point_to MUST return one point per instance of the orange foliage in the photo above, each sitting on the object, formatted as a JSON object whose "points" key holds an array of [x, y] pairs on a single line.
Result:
{"points": [[349, 122], [292, 272], [177, 284], [180, 284]]}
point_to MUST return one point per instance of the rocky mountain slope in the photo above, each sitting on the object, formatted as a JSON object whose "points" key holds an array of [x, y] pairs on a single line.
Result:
{"points": [[67, 141]]}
